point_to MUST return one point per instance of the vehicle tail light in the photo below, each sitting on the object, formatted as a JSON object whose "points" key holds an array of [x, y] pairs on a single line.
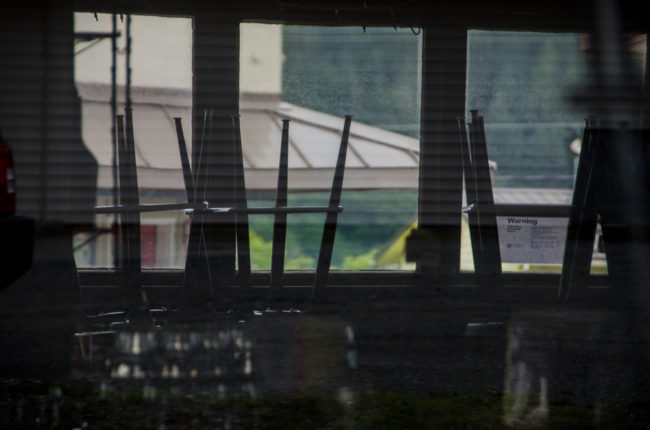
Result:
{"points": [[7, 180]]}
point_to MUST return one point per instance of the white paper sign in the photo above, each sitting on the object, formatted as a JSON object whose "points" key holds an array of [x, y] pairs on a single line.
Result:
{"points": [[532, 239]]}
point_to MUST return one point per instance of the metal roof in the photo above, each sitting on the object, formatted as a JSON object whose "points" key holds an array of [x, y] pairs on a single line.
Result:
{"points": [[377, 158], [536, 196]]}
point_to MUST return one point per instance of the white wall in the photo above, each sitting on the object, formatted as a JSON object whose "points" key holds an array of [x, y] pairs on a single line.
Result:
{"points": [[260, 62], [161, 53]]}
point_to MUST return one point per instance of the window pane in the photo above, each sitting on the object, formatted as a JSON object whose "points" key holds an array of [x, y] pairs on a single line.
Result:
{"points": [[522, 84], [314, 76], [526, 86], [161, 89]]}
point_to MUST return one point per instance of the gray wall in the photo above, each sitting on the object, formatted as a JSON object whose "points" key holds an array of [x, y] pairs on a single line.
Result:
{"points": [[40, 112]]}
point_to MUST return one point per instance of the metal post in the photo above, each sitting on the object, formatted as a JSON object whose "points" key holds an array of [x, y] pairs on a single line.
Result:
{"points": [[582, 225], [115, 225], [329, 230], [133, 197], [280, 221], [241, 219], [185, 162]]}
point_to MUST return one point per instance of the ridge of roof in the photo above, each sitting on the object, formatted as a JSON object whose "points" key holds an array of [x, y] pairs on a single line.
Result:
{"points": [[168, 96]]}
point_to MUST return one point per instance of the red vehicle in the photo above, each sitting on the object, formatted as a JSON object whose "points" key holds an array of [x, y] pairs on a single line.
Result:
{"points": [[16, 231]]}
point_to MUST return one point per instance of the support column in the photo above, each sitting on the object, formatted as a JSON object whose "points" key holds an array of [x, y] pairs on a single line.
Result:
{"points": [[444, 62], [216, 87]]}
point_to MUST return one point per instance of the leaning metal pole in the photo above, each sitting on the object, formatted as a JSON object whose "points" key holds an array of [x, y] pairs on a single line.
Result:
{"points": [[114, 227], [329, 230]]}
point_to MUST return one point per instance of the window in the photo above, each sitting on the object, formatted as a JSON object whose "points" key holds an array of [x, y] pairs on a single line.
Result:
{"points": [[160, 89], [527, 86], [314, 76], [522, 83]]}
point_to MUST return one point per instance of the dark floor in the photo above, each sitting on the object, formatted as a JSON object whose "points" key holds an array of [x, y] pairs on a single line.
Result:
{"points": [[409, 341]]}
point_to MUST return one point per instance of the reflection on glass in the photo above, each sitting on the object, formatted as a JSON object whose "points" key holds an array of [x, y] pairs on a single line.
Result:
{"points": [[314, 76], [522, 83], [525, 85], [161, 89]]}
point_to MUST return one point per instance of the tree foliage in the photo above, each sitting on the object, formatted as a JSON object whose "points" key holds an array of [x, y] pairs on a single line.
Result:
{"points": [[370, 74], [370, 220], [522, 83]]}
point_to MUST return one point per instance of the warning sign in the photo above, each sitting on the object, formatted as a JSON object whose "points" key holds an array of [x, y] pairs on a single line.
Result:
{"points": [[532, 239]]}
